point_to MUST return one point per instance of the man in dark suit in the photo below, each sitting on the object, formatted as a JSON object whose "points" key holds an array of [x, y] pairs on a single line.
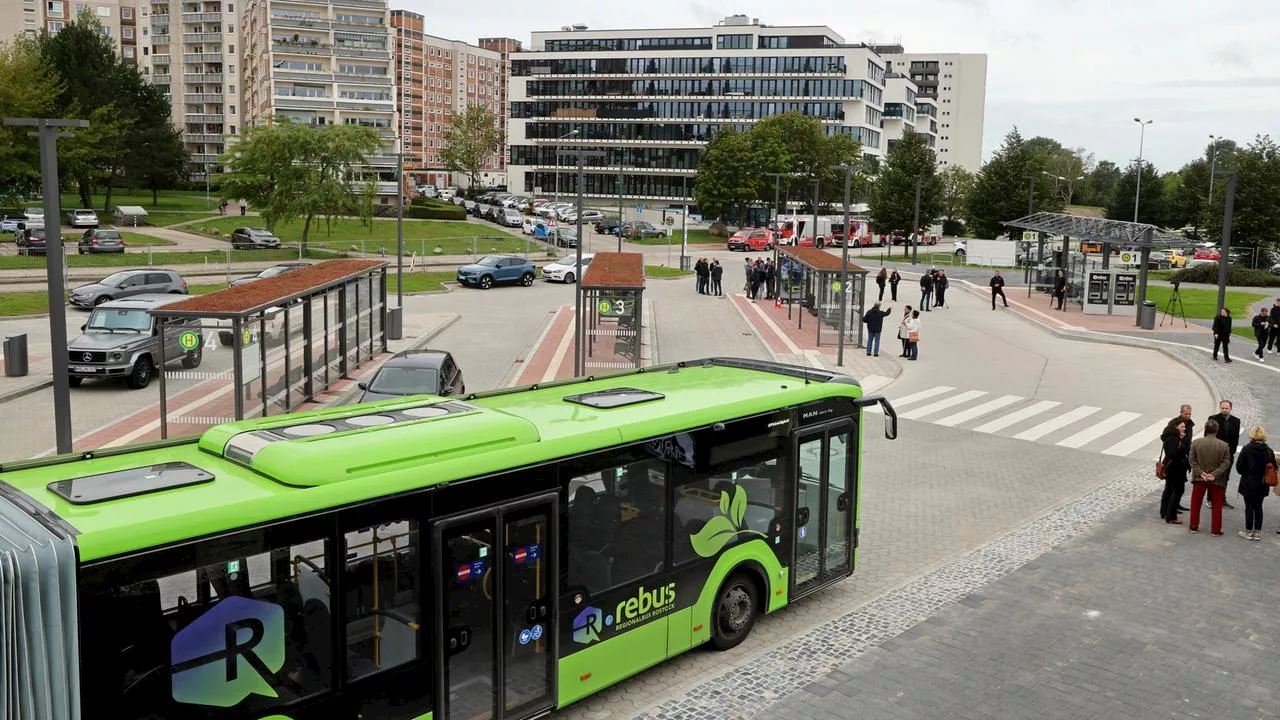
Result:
{"points": [[1184, 416], [1228, 432]]}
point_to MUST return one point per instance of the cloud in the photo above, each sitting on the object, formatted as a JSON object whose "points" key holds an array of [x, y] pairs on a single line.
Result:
{"points": [[1222, 83], [1230, 56]]}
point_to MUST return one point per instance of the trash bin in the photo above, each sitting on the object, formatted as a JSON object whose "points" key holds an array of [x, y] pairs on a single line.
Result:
{"points": [[395, 323], [15, 355], [1147, 315], [686, 262]]}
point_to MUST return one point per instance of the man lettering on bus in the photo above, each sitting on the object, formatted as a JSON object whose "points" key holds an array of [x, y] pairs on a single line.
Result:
{"points": [[997, 288]]}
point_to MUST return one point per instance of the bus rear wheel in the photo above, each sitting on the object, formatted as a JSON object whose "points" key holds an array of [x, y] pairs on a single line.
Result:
{"points": [[737, 605]]}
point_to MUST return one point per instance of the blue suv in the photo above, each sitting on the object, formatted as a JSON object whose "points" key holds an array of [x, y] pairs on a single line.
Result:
{"points": [[493, 270]]}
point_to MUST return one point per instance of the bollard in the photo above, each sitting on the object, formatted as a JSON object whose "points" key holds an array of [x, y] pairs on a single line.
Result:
{"points": [[15, 355]]}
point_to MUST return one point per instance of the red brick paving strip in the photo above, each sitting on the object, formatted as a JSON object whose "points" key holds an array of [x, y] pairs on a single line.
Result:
{"points": [[262, 292], [615, 270], [816, 258]]}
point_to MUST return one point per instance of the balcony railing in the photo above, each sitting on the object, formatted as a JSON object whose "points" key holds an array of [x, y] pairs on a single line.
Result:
{"points": [[160, 38], [202, 77], [294, 22], [289, 101], [203, 97], [362, 53], [159, 59], [375, 4], [201, 17], [360, 79], [202, 138], [204, 158], [303, 76], [200, 37], [201, 57], [303, 48], [387, 105], [161, 79], [203, 117]]}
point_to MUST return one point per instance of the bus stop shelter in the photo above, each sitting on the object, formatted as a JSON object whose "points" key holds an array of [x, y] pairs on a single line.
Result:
{"points": [[1098, 288], [815, 280], [266, 347], [612, 297]]}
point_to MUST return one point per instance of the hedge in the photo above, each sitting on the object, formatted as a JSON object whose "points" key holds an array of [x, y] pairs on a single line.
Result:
{"points": [[428, 213], [1237, 276]]}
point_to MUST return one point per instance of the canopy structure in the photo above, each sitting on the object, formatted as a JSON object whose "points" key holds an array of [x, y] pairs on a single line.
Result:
{"points": [[613, 309], [821, 278]]}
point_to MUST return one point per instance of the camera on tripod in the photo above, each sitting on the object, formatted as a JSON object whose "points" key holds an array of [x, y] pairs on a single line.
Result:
{"points": [[1175, 283]]}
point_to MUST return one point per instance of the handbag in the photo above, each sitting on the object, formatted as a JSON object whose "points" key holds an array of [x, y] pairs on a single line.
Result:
{"points": [[913, 336], [1160, 465], [1269, 475]]}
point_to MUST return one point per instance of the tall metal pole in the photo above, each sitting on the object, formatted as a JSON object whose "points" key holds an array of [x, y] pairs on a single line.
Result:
{"points": [[1142, 136], [579, 324], [1228, 209], [844, 267], [816, 185], [400, 229], [773, 220], [47, 133], [1031, 195], [684, 239], [1213, 166], [915, 226], [620, 216]]}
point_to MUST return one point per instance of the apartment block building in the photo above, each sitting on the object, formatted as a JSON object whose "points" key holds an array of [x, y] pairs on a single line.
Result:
{"points": [[505, 47], [436, 78], [904, 110], [323, 63], [649, 100], [120, 20], [193, 55], [956, 86]]}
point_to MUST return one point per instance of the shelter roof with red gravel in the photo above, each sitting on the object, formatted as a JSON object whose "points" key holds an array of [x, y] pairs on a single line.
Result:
{"points": [[819, 260], [615, 270], [250, 298]]}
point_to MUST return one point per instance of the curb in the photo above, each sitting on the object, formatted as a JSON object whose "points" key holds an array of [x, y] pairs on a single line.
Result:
{"points": [[32, 388], [344, 397]]}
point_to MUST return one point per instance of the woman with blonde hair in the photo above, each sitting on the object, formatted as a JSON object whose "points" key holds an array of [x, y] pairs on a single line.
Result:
{"points": [[1252, 464]]}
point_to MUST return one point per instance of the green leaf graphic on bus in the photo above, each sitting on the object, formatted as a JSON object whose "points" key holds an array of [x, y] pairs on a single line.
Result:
{"points": [[721, 529]]}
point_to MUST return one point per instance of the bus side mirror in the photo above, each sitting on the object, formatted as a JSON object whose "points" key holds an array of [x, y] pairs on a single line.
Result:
{"points": [[890, 415]]}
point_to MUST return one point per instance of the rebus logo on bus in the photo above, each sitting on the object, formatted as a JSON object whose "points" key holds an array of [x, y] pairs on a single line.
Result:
{"points": [[228, 653], [645, 605]]}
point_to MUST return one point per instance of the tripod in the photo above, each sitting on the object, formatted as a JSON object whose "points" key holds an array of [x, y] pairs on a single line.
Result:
{"points": [[1173, 308]]}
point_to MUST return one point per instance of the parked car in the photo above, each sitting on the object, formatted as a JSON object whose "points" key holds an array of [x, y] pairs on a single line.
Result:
{"points": [[1176, 258], [128, 283], [10, 223], [642, 229], [548, 209], [562, 237], [455, 199], [427, 191], [962, 247], [31, 241], [493, 270], [566, 269], [121, 341], [98, 240], [1158, 260], [608, 226], [34, 212], [479, 210], [470, 206], [253, 239], [82, 218], [414, 372], [588, 216], [751, 240], [271, 272], [512, 217], [495, 213]]}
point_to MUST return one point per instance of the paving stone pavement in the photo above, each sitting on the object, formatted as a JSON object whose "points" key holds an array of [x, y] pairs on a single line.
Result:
{"points": [[925, 501], [1131, 619]]}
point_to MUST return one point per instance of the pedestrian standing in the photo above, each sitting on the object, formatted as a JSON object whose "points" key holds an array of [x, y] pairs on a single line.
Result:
{"points": [[1060, 290], [717, 271], [1210, 458], [1222, 334], [243, 206], [926, 291], [881, 278], [1252, 466], [1174, 457], [1273, 339], [1261, 329], [874, 318], [770, 279], [746, 287], [997, 288], [894, 279], [903, 334], [913, 336], [940, 284], [701, 271], [1228, 432]]}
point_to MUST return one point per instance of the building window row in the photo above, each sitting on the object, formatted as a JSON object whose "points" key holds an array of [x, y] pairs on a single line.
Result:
{"points": [[353, 19], [899, 110], [791, 87], [612, 131], [868, 137], [874, 117], [875, 72], [633, 157], [782, 42], [733, 42], [660, 186], [720, 110], [679, 66], [596, 44]]}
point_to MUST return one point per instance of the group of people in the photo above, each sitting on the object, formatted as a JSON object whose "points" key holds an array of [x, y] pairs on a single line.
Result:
{"points": [[1266, 330], [892, 278], [933, 289], [708, 276], [908, 330], [762, 276], [1207, 461], [222, 207]]}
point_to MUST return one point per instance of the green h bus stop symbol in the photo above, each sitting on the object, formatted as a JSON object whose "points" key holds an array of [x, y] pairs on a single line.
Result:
{"points": [[189, 340], [605, 307]]}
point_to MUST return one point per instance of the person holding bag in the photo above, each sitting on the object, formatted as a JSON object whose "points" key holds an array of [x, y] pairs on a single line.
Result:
{"points": [[1257, 468], [1172, 468], [904, 334], [913, 336]]}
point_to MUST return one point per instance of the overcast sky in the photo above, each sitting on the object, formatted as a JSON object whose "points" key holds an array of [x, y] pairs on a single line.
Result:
{"points": [[1078, 71]]}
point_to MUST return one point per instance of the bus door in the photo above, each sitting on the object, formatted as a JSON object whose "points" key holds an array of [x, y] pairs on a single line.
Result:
{"points": [[825, 488], [495, 611]]}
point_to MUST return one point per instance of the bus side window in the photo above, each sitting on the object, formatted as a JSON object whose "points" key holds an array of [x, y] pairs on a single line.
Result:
{"points": [[381, 589], [614, 515]]}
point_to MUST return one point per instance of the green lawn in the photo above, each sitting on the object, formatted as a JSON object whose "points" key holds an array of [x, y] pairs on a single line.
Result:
{"points": [[662, 271], [133, 239], [23, 303], [132, 259], [421, 282], [1203, 304], [696, 237], [168, 200], [420, 236], [166, 218]]}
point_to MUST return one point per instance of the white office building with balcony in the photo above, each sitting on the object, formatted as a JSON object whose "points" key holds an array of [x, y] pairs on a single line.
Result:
{"points": [[651, 99], [953, 86]]}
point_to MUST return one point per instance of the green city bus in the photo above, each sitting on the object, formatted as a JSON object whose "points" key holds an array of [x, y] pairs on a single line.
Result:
{"points": [[495, 555]]}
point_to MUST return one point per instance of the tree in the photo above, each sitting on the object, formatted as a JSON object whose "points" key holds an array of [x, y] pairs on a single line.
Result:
{"points": [[1099, 184], [729, 176], [957, 183], [291, 171], [29, 87], [893, 193], [471, 141], [798, 145], [1186, 193], [1151, 209], [1255, 220], [1069, 168], [1000, 192]]}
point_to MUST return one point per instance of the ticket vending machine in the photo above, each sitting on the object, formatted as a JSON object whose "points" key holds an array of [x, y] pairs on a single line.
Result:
{"points": [[1107, 292]]}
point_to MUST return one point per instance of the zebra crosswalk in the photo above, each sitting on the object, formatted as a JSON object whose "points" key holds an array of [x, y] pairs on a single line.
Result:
{"points": [[1120, 433]]}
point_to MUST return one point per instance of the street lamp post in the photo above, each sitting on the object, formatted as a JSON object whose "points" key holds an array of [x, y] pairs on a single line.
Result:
{"points": [[556, 191], [1213, 165], [844, 267], [1142, 136], [915, 226], [773, 222], [400, 231], [581, 324]]}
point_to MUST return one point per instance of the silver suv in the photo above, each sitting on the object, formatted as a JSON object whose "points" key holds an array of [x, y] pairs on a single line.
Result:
{"points": [[128, 283], [121, 341]]}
